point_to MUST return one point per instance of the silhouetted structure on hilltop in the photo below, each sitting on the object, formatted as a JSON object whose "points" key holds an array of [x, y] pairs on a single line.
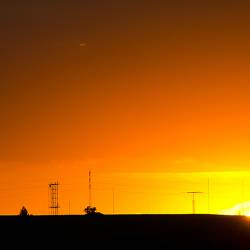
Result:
{"points": [[54, 204], [23, 212], [90, 210]]}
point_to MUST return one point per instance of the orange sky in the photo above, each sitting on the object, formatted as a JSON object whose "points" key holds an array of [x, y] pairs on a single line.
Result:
{"points": [[158, 89]]}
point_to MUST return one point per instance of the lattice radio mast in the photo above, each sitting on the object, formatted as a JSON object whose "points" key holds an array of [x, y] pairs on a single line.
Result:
{"points": [[53, 196]]}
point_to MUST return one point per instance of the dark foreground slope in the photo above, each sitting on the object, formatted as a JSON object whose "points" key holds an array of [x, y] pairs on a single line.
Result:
{"points": [[128, 231]]}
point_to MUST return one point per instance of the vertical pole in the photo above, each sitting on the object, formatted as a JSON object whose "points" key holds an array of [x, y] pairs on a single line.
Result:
{"points": [[113, 201], [208, 196], [69, 207], [57, 204], [90, 196], [193, 205], [49, 200], [193, 199], [243, 197]]}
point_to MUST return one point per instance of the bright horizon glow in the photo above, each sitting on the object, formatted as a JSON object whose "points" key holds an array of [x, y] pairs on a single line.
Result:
{"points": [[239, 209], [134, 192]]}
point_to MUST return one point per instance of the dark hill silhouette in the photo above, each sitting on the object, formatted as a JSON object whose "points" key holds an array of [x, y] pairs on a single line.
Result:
{"points": [[128, 231]]}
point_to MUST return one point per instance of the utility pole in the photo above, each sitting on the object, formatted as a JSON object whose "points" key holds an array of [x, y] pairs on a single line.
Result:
{"points": [[193, 199]]}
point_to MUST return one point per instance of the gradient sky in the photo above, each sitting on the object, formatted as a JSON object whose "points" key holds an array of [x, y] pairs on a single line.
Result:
{"points": [[142, 86]]}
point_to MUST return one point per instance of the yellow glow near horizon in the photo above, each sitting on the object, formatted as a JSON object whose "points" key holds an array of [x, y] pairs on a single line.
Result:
{"points": [[134, 193]]}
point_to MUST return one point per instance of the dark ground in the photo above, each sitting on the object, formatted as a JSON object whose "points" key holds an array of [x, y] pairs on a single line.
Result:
{"points": [[127, 231]]}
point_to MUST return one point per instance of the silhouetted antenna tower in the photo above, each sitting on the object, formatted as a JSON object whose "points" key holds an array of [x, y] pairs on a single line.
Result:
{"points": [[193, 200], [53, 192], [90, 190], [113, 201], [90, 209]]}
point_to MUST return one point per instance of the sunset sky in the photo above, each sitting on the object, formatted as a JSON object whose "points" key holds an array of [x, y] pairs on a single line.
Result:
{"points": [[151, 95]]}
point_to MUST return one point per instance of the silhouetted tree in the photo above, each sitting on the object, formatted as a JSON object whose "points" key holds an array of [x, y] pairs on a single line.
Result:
{"points": [[23, 212], [90, 210]]}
